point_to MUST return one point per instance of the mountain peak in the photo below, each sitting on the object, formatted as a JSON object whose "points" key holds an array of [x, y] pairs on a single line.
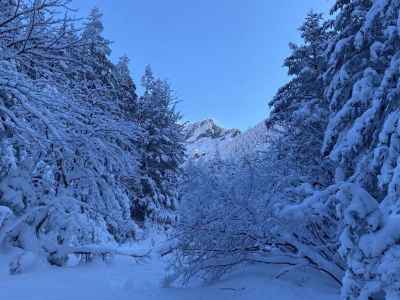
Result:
{"points": [[205, 138], [208, 129]]}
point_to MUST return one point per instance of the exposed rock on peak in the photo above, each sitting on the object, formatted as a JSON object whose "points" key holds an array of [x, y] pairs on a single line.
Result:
{"points": [[206, 139], [208, 129]]}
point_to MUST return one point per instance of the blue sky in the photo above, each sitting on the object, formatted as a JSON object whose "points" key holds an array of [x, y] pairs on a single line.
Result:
{"points": [[222, 57]]}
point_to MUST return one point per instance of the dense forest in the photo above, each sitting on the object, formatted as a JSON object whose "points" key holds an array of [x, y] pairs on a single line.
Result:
{"points": [[84, 159], [88, 163]]}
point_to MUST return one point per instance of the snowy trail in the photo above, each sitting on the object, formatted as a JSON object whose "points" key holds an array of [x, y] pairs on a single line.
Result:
{"points": [[124, 279]]}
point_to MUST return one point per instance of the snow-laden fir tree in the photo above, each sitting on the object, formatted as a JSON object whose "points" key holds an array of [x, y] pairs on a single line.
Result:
{"points": [[126, 87], [362, 137], [299, 110], [97, 74], [162, 150], [298, 120]]}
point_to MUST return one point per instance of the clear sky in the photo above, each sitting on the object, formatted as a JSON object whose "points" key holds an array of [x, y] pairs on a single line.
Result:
{"points": [[222, 57]]}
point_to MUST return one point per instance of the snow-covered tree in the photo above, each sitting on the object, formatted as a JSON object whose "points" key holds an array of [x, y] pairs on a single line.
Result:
{"points": [[126, 87], [162, 149], [223, 218], [55, 159], [70, 139], [362, 139], [33, 34], [97, 45], [297, 122], [299, 109], [234, 211]]}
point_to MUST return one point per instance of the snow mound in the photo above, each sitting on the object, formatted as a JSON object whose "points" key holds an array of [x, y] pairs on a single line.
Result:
{"points": [[124, 279]]}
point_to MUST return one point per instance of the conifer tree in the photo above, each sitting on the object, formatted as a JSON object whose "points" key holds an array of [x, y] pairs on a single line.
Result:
{"points": [[126, 87], [299, 110], [162, 148], [362, 139]]}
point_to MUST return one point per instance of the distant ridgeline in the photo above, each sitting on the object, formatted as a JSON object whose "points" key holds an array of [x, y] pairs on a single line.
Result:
{"points": [[83, 159]]}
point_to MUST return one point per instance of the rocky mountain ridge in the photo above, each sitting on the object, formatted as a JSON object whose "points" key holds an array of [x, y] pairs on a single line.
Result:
{"points": [[205, 139]]}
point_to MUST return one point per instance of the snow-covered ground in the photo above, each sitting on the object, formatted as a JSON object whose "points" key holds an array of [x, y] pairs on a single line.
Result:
{"points": [[125, 279]]}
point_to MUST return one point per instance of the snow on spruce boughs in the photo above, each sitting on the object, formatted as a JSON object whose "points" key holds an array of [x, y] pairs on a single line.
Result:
{"points": [[362, 136]]}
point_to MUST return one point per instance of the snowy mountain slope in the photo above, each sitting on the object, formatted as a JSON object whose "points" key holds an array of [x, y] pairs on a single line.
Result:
{"points": [[205, 139]]}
